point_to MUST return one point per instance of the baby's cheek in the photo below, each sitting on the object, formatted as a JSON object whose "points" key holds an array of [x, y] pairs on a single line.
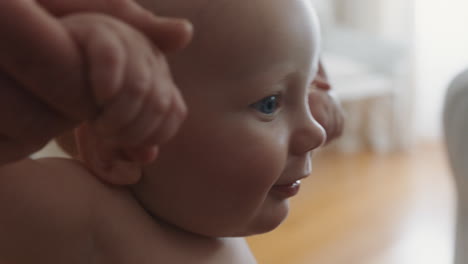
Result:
{"points": [[263, 162]]}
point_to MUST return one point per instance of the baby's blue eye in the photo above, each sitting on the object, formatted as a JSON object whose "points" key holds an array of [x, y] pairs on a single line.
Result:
{"points": [[267, 105]]}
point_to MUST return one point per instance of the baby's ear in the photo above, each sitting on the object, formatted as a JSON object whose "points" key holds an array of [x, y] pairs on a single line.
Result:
{"points": [[107, 163]]}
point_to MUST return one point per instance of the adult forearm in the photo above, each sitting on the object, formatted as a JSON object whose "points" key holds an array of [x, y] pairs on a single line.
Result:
{"points": [[40, 55], [40, 72]]}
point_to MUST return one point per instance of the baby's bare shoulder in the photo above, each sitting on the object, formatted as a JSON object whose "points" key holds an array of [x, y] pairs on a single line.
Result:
{"points": [[49, 184], [45, 209]]}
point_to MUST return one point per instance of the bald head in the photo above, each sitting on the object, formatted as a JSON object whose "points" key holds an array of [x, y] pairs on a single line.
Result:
{"points": [[245, 35]]}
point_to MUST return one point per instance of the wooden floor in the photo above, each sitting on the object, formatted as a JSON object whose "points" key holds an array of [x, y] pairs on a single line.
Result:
{"points": [[368, 209]]}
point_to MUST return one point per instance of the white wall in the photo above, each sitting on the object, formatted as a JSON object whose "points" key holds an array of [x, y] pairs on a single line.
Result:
{"points": [[441, 50], [397, 20], [391, 19], [360, 14], [436, 32]]}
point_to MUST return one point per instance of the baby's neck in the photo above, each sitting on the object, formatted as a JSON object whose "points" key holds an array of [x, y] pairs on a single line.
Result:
{"points": [[124, 232]]}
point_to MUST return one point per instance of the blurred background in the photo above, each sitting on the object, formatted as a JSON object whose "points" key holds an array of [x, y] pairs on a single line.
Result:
{"points": [[383, 193]]}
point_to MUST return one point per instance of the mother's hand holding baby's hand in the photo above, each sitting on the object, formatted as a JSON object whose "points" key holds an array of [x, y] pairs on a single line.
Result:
{"points": [[140, 106], [44, 85]]}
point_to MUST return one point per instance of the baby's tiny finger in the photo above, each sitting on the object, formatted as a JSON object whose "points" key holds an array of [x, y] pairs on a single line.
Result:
{"points": [[169, 126], [138, 82], [144, 124], [107, 64], [118, 114], [142, 155]]}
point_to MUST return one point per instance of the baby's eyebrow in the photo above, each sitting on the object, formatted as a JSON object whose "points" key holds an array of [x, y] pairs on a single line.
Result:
{"points": [[265, 83], [277, 73]]}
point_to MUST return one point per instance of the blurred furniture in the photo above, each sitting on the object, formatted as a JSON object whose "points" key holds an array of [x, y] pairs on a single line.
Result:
{"points": [[456, 133], [369, 75]]}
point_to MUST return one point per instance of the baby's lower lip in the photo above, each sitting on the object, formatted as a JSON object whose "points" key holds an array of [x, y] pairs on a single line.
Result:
{"points": [[287, 190]]}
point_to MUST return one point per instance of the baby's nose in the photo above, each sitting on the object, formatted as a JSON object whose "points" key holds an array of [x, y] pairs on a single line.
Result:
{"points": [[308, 135]]}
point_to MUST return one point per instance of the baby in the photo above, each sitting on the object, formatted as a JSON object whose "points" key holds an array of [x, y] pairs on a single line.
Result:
{"points": [[228, 172]]}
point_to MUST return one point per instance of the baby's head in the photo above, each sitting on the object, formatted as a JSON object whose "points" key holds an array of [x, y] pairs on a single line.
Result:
{"points": [[249, 133]]}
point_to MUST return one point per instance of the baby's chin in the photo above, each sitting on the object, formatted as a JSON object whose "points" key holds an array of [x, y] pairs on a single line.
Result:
{"points": [[262, 219], [258, 230], [242, 232], [264, 222], [267, 221], [256, 227]]}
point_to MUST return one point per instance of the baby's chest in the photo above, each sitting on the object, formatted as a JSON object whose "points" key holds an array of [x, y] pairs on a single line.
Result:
{"points": [[155, 257], [147, 249]]}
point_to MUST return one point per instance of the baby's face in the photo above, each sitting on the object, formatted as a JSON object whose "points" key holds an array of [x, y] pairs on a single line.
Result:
{"points": [[249, 134]]}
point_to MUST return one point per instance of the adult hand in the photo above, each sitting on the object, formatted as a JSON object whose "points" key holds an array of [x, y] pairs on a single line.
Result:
{"points": [[44, 88], [141, 108], [325, 107]]}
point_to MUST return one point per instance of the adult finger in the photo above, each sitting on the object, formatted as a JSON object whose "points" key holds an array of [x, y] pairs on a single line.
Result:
{"points": [[169, 34]]}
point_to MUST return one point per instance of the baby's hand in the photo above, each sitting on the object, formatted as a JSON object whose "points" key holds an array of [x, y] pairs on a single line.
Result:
{"points": [[140, 105], [326, 109]]}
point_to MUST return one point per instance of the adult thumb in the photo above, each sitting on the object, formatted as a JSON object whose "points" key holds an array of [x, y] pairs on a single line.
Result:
{"points": [[168, 34]]}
